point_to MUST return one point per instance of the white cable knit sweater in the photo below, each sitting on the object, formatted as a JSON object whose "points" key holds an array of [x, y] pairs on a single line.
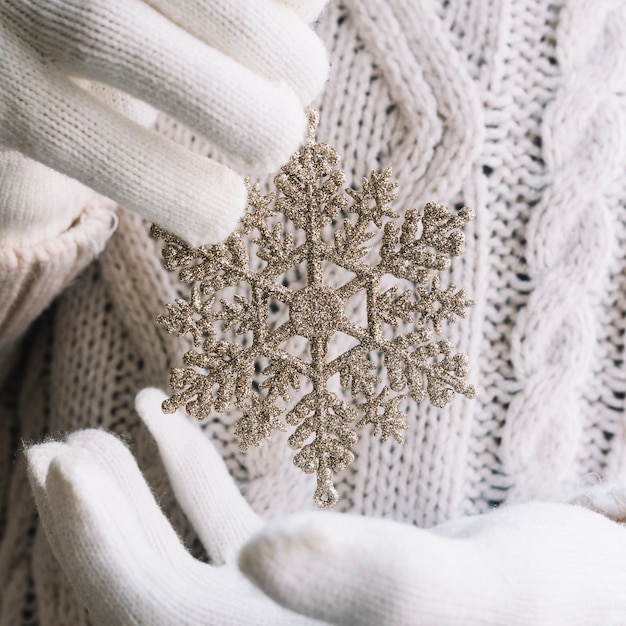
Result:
{"points": [[516, 108]]}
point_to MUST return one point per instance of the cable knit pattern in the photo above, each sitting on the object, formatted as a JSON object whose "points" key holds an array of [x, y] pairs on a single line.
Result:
{"points": [[570, 237], [515, 108]]}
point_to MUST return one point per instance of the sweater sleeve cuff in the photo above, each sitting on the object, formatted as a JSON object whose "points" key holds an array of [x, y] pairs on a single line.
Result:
{"points": [[31, 276]]}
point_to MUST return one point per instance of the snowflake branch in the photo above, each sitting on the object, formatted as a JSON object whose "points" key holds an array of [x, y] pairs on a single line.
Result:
{"points": [[323, 416], [194, 317], [257, 422], [382, 413]]}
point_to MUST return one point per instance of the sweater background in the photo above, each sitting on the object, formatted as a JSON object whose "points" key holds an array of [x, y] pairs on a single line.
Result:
{"points": [[515, 108]]}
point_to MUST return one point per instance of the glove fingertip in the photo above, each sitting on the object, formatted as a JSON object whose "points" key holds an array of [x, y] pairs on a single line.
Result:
{"points": [[149, 405], [228, 205], [38, 460], [82, 491], [64, 483], [284, 546], [210, 208], [277, 144], [290, 559], [175, 433], [149, 400]]}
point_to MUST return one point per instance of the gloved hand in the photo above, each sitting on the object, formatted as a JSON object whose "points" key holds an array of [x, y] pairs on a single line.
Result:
{"points": [[238, 72], [531, 564], [118, 549], [536, 563]]}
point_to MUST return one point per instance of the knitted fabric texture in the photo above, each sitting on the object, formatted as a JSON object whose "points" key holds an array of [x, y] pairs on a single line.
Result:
{"points": [[516, 109]]}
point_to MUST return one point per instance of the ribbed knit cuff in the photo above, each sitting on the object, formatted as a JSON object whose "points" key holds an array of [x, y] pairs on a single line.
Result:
{"points": [[31, 276]]}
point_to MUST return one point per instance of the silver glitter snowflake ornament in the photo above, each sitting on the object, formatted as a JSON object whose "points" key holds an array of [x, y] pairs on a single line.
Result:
{"points": [[259, 375]]}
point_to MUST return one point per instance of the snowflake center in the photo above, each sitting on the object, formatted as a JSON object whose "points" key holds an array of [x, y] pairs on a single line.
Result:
{"points": [[316, 311]]}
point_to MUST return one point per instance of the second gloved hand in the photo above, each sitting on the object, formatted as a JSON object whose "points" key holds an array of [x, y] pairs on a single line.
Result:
{"points": [[239, 73], [535, 564], [118, 549]]}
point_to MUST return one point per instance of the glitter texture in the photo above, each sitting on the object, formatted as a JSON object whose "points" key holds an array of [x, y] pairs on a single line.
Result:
{"points": [[334, 226]]}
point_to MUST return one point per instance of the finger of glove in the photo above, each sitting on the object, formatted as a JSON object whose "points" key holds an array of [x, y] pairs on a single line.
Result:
{"points": [[527, 564], [107, 553], [74, 133], [106, 557], [78, 535], [308, 10], [345, 569], [118, 462], [128, 45], [38, 459], [135, 110], [113, 457], [203, 486], [264, 36]]}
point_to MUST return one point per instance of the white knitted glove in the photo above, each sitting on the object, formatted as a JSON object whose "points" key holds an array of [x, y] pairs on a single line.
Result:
{"points": [[238, 72], [37, 203], [118, 549], [533, 564]]}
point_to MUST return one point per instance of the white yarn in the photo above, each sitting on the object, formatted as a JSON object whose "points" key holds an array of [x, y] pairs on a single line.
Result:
{"points": [[537, 86], [524, 565], [570, 237], [118, 548]]}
